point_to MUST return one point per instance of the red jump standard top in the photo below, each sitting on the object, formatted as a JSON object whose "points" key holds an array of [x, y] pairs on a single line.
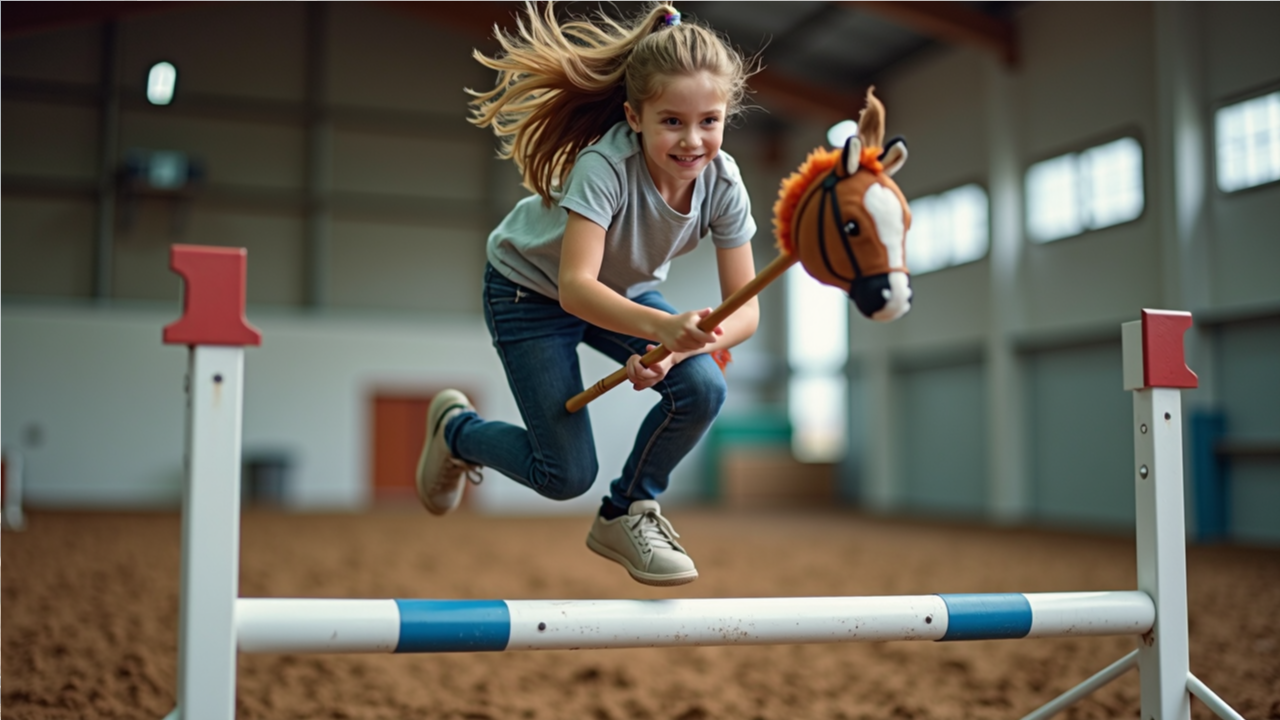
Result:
{"points": [[213, 302], [1163, 362]]}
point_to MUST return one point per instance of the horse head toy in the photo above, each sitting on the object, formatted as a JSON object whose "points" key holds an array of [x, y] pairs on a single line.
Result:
{"points": [[844, 218]]}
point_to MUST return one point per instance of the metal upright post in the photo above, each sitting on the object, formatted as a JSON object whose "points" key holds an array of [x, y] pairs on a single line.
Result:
{"points": [[1155, 371], [108, 148], [210, 535], [213, 326]]}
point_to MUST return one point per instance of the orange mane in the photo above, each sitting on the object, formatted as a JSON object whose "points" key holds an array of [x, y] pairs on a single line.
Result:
{"points": [[793, 188], [871, 159]]}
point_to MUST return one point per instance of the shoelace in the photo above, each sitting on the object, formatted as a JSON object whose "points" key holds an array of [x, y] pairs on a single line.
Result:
{"points": [[654, 531], [455, 470]]}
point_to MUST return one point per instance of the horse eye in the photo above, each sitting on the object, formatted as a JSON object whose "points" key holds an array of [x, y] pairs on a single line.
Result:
{"points": [[851, 228]]}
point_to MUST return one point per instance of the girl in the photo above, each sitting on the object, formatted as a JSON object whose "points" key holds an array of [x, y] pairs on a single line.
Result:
{"points": [[617, 129]]}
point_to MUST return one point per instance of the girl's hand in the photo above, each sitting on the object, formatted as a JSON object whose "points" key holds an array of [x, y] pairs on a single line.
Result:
{"points": [[642, 377], [680, 333]]}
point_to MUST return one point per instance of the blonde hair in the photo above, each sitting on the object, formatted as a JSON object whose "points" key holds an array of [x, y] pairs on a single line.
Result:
{"points": [[561, 86]]}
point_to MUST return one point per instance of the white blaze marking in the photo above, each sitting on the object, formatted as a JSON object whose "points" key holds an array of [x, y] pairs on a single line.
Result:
{"points": [[886, 210]]}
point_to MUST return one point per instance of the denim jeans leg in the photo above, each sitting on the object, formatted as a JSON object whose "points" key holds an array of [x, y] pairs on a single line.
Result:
{"points": [[536, 340], [692, 394]]}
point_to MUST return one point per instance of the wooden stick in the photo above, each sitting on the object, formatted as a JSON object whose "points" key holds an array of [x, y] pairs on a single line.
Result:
{"points": [[772, 272]]}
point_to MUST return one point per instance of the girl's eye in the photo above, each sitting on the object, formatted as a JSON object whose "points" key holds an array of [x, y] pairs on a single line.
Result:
{"points": [[671, 121], [851, 228]]}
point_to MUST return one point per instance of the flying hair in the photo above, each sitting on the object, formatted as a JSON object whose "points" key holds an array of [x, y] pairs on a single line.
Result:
{"points": [[562, 85]]}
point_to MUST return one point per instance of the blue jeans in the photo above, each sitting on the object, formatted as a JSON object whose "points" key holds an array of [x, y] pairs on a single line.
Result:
{"points": [[554, 453]]}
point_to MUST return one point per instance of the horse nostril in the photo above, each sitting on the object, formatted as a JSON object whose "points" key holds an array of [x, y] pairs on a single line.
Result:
{"points": [[870, 294]]}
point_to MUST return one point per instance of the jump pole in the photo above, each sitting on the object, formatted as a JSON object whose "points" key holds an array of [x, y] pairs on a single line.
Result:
{"points": [[215, 623]]}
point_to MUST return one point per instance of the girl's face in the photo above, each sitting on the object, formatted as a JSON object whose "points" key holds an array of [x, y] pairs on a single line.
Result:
{"points": [[681, 129]]}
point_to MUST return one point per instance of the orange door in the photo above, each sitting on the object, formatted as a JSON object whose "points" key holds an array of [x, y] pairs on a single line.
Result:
{"points": [[399, 431]]}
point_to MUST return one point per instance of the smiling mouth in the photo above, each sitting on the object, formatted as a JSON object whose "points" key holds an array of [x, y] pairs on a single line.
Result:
{"points": [[687, 158]]}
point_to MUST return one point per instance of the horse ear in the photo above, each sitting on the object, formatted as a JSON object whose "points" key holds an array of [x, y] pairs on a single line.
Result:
{"points": [[852, 154], [894, 156]]}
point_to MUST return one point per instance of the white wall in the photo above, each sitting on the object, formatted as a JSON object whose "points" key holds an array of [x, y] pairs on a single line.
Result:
{"points": [[95, 402]]}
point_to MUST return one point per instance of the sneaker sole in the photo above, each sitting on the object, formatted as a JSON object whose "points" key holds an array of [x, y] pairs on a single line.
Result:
{"points": [[439, 405], [639, 575]]}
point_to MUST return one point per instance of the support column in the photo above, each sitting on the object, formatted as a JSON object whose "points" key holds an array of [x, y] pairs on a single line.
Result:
{"points": [[318, 221], [882, 491], [108, 150], [1185, 177], [1008, 492]]}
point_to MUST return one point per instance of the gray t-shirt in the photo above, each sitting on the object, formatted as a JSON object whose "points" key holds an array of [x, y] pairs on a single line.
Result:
{"points": [[610, 185]]}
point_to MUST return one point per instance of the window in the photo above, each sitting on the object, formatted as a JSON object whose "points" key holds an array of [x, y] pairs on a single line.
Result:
{"points": [[1248, 138], [817, 349], [1089, 190], [949, 228], [161, 82]]}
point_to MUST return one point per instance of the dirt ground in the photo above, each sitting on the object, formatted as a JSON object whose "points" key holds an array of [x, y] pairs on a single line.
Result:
{"points": [[90, 608]]}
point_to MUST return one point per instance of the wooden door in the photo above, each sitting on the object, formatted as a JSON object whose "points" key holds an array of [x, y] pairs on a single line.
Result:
{"points": [[399, 432]]}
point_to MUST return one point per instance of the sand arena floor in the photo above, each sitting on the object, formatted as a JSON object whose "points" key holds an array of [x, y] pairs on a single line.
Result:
{"points": [[90, 612]]}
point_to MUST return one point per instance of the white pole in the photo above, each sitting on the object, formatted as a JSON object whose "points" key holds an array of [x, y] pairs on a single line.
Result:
{"points": [[302, 625], [1211, 699], [1084, 689], [210, 534], [1163, 656], [11, 514]]}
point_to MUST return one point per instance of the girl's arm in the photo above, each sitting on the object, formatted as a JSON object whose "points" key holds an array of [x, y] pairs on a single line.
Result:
{"points": [[582, 294], [737, 268]]}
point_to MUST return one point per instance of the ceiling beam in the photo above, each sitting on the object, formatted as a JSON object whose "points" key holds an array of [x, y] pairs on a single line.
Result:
{"points": [[476, 19], [950, 22], [786, 93], [25, 18], [803, 100]]}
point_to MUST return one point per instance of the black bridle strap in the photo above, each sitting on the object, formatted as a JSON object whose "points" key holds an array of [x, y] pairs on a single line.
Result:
{"points": [[822, 245], [829, 191]]}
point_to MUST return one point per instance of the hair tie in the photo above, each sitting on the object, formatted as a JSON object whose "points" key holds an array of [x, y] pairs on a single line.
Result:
{"points": [[671, 19]]}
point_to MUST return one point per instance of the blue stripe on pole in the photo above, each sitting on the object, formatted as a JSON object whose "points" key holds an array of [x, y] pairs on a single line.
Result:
{"points": [[994, 616], [453, 625]]}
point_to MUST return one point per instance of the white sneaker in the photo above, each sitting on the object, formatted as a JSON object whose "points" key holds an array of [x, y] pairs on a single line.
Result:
{"points": [[643, 542], [440, 474]]}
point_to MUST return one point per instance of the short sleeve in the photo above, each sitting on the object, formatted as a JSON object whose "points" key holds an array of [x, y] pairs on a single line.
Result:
{"points": [[731, 222], [593, 189]]}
